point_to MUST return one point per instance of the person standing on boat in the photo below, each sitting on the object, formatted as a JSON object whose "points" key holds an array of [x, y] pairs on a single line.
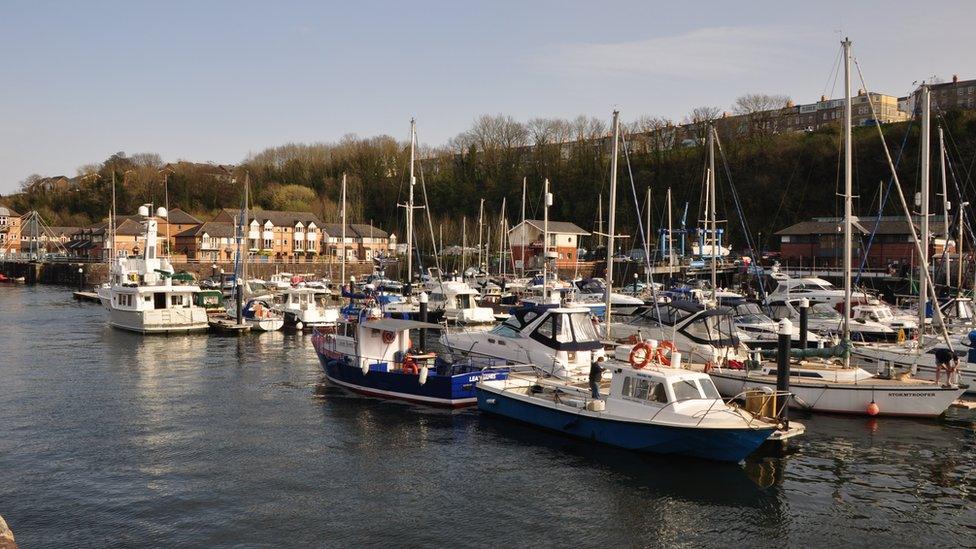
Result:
{"points": [[946, 361], [596, 374]]}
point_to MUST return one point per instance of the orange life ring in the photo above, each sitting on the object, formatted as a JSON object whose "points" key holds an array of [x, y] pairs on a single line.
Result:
{"points": [[640, 355], [664, 360], [410, 366], [389, 337]]}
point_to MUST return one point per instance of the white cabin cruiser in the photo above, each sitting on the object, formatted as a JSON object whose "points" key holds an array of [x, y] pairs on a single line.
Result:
{"points": [[882, 313], [305, 308], [813, 288], [591, 292], [824, 319], [144, 294], [457, 302], [758, 331], [701, 334], [562, 341]]}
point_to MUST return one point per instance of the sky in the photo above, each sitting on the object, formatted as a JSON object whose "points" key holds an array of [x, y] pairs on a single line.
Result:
{"points": [[214, 81]]}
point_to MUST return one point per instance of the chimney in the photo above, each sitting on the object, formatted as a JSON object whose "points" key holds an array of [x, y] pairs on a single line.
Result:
{"points": [[955, 78], [860, 92], [823, 98]]}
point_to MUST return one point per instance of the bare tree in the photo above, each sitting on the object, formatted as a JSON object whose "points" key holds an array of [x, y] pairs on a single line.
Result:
{"points": [[759, 112], [699, 119]]}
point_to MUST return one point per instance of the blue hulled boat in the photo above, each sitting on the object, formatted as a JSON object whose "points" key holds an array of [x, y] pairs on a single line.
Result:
{"points": [[656, 409], [375, 357]]}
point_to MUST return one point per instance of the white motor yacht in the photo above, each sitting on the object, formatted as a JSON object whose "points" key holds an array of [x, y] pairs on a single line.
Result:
{"points": [[145, 295]]}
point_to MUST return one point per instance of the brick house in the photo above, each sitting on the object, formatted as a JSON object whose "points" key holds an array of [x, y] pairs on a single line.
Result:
{"points": [[9, 231], [278, 235], [363, 242], [210, 241], [527, 246], [176, 222]]}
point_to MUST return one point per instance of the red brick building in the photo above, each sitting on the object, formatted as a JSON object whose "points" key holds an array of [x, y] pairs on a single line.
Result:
{"points": [[820, 242]]}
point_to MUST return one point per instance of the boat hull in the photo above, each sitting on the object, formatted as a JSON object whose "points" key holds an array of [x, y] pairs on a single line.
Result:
{"points": [[907, 401], [732, 445], [163, 321], [450, 391]]}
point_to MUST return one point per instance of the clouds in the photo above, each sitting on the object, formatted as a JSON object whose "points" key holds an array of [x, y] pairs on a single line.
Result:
{"points": [[703, 53]]}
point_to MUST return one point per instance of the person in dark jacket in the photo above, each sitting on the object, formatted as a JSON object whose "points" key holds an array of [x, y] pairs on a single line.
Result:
{"points": [[945, 361], [596, 374]]}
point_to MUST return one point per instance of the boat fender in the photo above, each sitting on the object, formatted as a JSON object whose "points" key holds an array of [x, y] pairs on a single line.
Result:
{"points": [[365, 368], [640, 355], [299, 325], [423, 375], [873, 409], [972, 338]]}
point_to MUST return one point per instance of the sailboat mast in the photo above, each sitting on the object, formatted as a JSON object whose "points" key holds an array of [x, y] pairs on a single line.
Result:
{"points": [[546, 201], [712, 210], [111, 219], [612, 221], [647, 240], [848, 192], [342, 271], [524, 181], [599, 218], [481, 215], [464, 243], [501, 240], [924, 206], [670, 239], [413, 180], [946, 206], [959, 247]]}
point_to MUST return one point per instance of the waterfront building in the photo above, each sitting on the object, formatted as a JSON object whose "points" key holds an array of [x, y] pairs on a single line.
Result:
{"points": [[527, 245], [9, 231], [820, 241], [210, 241]]}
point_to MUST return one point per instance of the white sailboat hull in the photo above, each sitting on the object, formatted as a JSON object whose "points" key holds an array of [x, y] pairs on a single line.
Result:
{"points": [[900, 358], [848, 398]]}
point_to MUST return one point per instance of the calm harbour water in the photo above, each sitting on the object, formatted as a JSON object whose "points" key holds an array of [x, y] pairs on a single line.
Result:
{"points": [[110, 439]]}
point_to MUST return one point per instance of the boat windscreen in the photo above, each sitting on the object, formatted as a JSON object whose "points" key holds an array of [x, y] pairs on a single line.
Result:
{"points": [[823, 311]]}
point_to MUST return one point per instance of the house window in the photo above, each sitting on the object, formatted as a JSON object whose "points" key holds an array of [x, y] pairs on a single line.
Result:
{"points": [[267, 243]]}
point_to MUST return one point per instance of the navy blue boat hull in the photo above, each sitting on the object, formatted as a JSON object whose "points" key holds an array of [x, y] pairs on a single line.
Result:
{"points": [[454, 391], [732, 445]]}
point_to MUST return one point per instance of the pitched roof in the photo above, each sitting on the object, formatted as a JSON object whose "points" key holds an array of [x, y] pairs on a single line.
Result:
{"points": [[179, 217], [277, 218], [129, 227], [354, 230], [564, 227], [5, 211], [819, 227], [896, 225], [212, 228]]}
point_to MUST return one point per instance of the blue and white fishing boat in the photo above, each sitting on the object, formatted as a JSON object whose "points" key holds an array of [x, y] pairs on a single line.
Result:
{"points": [[656, 410], [374, 356]]}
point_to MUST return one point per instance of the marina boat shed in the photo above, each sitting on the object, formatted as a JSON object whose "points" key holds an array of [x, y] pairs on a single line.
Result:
{"points": [[820, 241], [527, 246]]}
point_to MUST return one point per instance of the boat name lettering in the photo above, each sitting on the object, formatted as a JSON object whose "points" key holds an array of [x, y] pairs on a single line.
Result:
{"points": [[911, 394]]}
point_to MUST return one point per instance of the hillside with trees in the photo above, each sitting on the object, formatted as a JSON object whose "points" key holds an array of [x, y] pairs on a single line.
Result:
{"points": [[779, 178]]}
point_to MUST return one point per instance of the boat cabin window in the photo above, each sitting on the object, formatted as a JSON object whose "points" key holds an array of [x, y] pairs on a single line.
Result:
{"points": [[685, 389], [640, 388], [465, 301], [177, 300], [824, 311], [779, 310], [708, 388]]}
